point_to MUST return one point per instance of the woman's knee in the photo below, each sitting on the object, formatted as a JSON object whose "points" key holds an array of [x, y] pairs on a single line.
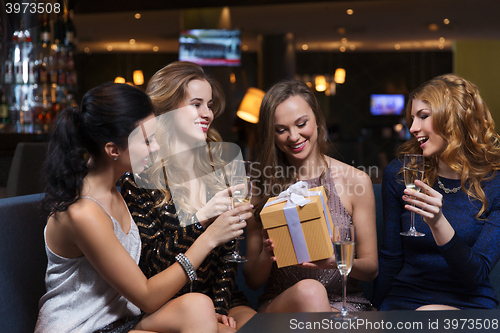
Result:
{"points": [[436, 307], [309, 290], [195, 303]]}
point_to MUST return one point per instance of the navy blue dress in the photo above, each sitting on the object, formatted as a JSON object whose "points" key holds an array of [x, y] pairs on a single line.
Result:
{"points": [[414, 271]]}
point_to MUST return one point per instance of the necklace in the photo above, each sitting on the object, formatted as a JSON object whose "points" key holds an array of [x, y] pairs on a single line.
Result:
{"points": [[448, 190]]}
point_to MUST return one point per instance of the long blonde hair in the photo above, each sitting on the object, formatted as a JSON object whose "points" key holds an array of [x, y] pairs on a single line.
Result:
{"points": [[167, 90], [271, 161], [463, 120]]}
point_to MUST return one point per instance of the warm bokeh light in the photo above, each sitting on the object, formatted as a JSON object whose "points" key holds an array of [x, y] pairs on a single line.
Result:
{"points": [[320, 83], [342, 49], [137, 15], [155, 48], [441, 39], [339, 75], [110, 48], [350, 11], [132, 41], [305, 47], [232, 78], [397, 47], [344, 40], [138, 78], [244, 47], [433, 27], [119, 79], [446, 21]]}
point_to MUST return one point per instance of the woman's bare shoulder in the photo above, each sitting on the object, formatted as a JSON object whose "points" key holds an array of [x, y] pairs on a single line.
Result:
{"points": [[348, 173]]}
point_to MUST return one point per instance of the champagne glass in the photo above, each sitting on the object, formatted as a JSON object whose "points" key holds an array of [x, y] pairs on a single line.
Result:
{"points": [[240, 175], [344, 240], [413, 169]]}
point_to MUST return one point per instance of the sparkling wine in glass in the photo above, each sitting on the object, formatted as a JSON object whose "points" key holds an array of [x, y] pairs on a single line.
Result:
{"points": [[413, 169], [240, 175], [344, 241]]}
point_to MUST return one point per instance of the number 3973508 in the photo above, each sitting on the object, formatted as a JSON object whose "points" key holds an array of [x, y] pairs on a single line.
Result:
{"points": [[33, 8]]}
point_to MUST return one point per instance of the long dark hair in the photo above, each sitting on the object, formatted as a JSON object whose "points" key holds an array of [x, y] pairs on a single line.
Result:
{"points": [[107, 113]]}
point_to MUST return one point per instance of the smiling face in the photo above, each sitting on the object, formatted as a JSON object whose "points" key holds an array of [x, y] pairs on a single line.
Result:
{"points": [[141, 142], [195, 115], [296, 132], [431, 143]]}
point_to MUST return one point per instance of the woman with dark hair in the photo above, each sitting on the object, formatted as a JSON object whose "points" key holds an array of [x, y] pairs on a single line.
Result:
{"points": [[459, 203], [93, 246], [176, 200], [294, 147]]}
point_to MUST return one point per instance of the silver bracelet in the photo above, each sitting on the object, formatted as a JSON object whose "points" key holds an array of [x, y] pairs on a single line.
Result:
{"points": [[188, 267]]}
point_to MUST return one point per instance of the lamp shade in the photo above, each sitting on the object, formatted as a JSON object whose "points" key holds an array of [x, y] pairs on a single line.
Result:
{"points": [[320, 83], [138, 78], [339, 75], [250, 105]]}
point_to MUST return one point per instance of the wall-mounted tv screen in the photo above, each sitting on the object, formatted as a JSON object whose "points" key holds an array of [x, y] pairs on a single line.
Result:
{"points": [[211, 47], [387, 104]]}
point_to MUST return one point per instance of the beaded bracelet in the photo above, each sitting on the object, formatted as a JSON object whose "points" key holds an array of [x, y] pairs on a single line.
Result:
{"points": [[188, 268]]}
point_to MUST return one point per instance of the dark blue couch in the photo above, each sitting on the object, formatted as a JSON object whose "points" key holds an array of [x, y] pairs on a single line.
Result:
{"points": [[23, 262], [367, 286]]}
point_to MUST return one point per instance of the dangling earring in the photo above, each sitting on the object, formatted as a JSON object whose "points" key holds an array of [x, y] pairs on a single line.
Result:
{"points": [[115, 158]]}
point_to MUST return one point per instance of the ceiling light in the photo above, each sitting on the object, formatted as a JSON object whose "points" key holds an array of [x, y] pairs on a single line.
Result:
{"points": [[441, 39], [137, 16], [433, 27], [350, 11], [132, 41], [305, 47], [155, 48], [342, 49], [344, 40], [446, 21]]}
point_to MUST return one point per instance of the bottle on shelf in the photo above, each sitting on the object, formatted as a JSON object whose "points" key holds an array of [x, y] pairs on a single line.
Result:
{"points": [[4, 108], [70, 31], [9, 68]]}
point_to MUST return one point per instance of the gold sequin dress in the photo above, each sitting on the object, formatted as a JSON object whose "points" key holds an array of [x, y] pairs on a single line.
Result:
{"points": [[283, 278], [163, 238]]}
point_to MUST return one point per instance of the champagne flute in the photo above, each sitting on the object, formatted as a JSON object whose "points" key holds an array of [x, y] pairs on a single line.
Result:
{"points": [[240, 175], [344, 240], [413, 169]]}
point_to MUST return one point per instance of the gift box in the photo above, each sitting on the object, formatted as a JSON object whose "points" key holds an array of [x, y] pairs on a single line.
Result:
{"points": [[299, 223]]}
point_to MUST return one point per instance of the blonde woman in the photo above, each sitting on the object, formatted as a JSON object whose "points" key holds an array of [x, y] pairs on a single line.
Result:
{"points": [[459, 204], [189, 197]]}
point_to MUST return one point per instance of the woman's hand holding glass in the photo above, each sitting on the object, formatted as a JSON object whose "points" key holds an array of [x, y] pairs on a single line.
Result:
{"points": [[229, 225], [428, 200], [220, 203]]}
